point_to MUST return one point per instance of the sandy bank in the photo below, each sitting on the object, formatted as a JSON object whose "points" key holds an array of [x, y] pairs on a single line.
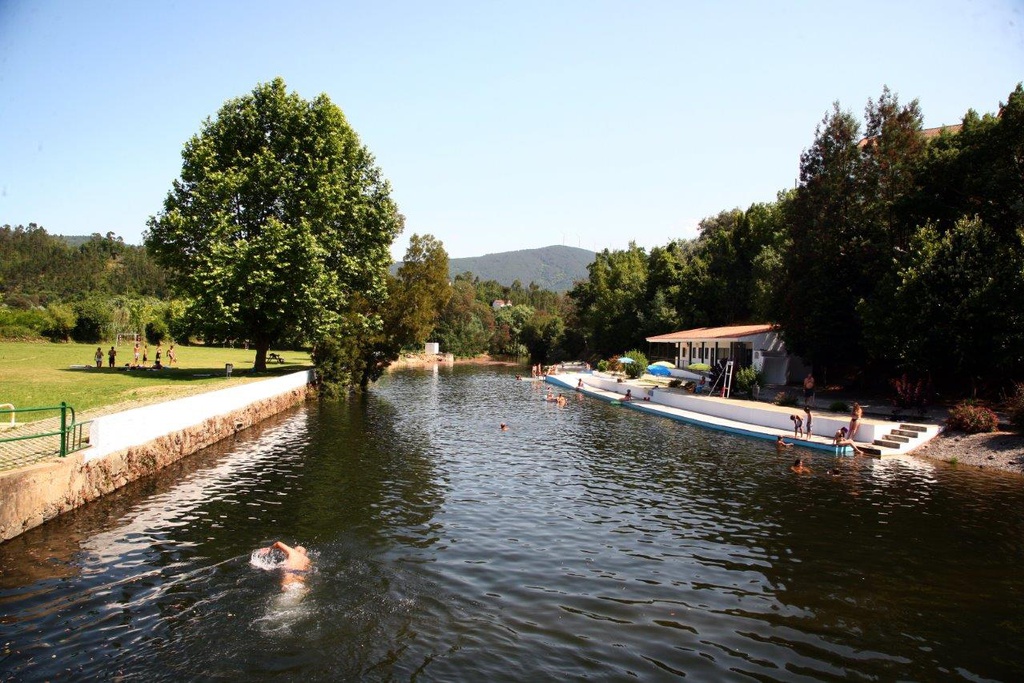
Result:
{"points": [[994, 450]]}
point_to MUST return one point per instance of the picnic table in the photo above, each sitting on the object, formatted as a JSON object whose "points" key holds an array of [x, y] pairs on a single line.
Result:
{"points": [[275, 358]]}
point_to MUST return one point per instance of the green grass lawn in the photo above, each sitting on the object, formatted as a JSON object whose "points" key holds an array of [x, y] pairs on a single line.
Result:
{"points": [[37, 374]]}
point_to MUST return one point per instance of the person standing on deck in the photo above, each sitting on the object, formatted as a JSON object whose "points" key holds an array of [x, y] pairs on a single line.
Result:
{"points": [[809, 390], [855, 415]]}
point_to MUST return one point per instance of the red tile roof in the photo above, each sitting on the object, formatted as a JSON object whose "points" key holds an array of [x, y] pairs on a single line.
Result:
{"points": [[704, 333]]}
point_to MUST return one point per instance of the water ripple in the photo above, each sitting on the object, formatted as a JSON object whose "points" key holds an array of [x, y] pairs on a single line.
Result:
{"points": [[586, 542]]}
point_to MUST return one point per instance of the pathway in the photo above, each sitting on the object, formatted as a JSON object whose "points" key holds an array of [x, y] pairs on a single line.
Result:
{"points": [[895, 438]]}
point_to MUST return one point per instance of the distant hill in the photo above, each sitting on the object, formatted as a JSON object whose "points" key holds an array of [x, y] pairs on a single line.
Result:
{"points": [[555, 268], [74, 241]]}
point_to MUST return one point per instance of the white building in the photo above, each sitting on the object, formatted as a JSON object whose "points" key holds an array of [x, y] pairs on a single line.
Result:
{"points": [[758, 345]]}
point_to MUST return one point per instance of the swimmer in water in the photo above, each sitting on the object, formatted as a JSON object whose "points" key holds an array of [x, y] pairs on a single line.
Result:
{"points": [[799, 467], [780, 444], [503, 427], [295, 567]]}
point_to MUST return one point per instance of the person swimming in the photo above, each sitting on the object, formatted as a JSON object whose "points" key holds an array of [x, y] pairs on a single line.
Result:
{"points": [[295, 566], [799, 468]]}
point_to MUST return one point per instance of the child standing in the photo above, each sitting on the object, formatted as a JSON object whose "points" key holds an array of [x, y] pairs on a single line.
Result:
{"points": [[798, 425]]}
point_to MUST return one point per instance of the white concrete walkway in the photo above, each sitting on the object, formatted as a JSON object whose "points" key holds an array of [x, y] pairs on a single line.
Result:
{"points": [[754, 419], [135, 427]]}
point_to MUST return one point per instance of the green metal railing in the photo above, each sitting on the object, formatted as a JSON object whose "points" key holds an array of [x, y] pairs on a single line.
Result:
{"points": [[72, 434]]}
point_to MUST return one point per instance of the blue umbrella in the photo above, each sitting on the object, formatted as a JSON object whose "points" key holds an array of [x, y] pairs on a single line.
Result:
{"points": [[658, 371]]}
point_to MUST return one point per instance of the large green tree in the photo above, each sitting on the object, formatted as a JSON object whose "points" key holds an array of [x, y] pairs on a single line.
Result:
{"points": [[279, 217], [419, 292], [611, 299], [958, 310], [817, 297]]}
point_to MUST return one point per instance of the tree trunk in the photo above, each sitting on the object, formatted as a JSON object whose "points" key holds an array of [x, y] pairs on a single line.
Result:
{"points": [[260, 364]]}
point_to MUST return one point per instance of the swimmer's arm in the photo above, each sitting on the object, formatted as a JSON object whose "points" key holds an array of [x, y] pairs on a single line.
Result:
{"points": [[282, 547]]}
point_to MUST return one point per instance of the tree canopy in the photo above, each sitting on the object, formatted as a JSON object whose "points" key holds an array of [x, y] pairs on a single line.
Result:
{"points": [[900, 250], [280, 216]]}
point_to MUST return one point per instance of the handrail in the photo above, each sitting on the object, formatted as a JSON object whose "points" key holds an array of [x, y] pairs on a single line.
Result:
{"points": [[71, 433]]}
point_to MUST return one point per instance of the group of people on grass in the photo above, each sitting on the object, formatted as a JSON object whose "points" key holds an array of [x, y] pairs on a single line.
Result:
{"points": [[140, 357]]}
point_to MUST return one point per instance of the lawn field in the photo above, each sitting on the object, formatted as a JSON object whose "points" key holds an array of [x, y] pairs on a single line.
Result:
{"points": [[38, 374]]}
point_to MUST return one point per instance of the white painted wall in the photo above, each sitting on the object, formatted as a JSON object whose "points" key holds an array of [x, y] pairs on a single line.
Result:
{"points": [[134, 427]]}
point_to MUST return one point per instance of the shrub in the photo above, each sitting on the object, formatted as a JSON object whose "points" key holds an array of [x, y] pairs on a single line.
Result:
{"points": [[784, 398], [156, 331], [602, 366], [17, 333], [910, 393], [746, 378], [92, 317], [674, 383], [971, 419], [332, 371], [1015, 406], [839, 407], [60, 324], [638, 366], [21, 324]]}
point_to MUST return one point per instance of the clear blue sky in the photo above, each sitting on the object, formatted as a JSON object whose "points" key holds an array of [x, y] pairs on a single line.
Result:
{"points": [[501, 125]]}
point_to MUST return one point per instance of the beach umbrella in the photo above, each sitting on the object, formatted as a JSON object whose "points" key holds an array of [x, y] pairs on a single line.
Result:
{"points": [[626, 359], [665, 364], [658, 370], [698, 367]]}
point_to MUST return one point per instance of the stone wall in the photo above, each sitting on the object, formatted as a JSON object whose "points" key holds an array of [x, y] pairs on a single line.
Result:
{"points": [[32, 495]]}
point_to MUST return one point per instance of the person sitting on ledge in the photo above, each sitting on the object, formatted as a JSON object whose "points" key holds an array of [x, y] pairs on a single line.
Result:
{"points": [[851, 444], [628, 396]]}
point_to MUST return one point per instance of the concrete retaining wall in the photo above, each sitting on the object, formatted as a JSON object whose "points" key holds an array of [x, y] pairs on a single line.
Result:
{"points": [[136, 443]]}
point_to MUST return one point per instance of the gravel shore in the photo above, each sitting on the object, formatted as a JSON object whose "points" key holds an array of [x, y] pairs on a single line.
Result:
{"points": [[993, 450]]}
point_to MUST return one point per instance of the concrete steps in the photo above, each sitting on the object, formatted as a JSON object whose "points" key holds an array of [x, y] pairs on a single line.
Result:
{"points": [[901, 440]]}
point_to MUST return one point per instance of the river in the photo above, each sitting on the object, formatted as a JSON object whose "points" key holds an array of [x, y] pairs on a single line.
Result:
{"points": [[588, 541]]}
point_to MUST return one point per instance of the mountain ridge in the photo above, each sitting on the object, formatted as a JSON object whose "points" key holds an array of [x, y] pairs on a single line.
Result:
{"points": [[556, 267]]}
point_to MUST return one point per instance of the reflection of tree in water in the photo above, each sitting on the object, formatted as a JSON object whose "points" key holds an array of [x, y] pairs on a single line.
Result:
{"points": [[368, 474], [880, 557]]}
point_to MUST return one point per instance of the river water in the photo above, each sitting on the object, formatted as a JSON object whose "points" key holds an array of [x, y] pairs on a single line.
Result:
{"points": [[589, 541]]}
